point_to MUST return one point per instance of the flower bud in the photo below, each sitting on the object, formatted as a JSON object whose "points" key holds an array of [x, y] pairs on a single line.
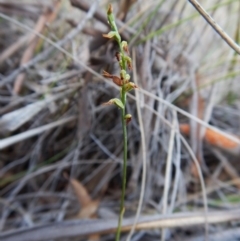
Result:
{"points": [[111, 21], [125, 46], [129, 62], [110, 9], [127, 78], [123, 74], [128, 118]]}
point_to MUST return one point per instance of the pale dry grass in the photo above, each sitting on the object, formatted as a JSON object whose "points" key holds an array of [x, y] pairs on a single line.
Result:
{"points": [[56, 123]]}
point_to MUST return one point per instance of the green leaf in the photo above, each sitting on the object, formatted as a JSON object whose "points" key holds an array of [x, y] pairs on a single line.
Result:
{"points": [[116, 102]]}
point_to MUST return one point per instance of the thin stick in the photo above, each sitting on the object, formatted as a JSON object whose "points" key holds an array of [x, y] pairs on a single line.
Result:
{"points": [[190, 116], [29, 51], [202, 183], [215, 26], [168, 174], [82, 228], [33, 132]]}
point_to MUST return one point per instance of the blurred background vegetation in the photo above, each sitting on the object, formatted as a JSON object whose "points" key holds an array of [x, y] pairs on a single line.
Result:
{"points": [[61, 149]]}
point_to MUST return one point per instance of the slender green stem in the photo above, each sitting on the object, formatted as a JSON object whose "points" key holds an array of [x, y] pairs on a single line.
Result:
{"points": [[124, 177], [124, 62]]}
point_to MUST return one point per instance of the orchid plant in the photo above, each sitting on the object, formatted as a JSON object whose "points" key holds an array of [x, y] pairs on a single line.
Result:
{"points": [[123, 81]]}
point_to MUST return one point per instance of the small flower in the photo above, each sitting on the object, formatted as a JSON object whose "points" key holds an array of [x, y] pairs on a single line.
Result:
{"points": [[129, 86], [112, 34], [123, 74], [116, 102], [129, 62], [118, 56], [128, 118], [127, 78], [114, 78], [125, 46]]}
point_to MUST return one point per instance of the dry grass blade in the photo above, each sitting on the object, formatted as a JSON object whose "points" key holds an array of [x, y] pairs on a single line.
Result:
{"points": [[85, 6], [80, 191], [88, 206], [144, 151], [14, 47], [215, 26], [4, 143], [14, 8], [15, 119], [81, 228], [54, 46], [185, 72], [232, 234], [168, 173], [230, 137], [47, 16], [124, 8]]}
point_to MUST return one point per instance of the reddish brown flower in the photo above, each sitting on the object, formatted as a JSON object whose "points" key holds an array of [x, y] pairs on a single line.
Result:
{"points": [[129, 64], [118, 56], [114, 78]]}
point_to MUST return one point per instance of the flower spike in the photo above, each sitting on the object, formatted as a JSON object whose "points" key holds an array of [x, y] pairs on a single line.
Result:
{"points": [[123, 80]]}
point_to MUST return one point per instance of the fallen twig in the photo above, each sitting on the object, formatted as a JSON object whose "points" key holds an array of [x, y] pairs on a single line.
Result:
{"points": [[83, 228], [215, 26]]}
